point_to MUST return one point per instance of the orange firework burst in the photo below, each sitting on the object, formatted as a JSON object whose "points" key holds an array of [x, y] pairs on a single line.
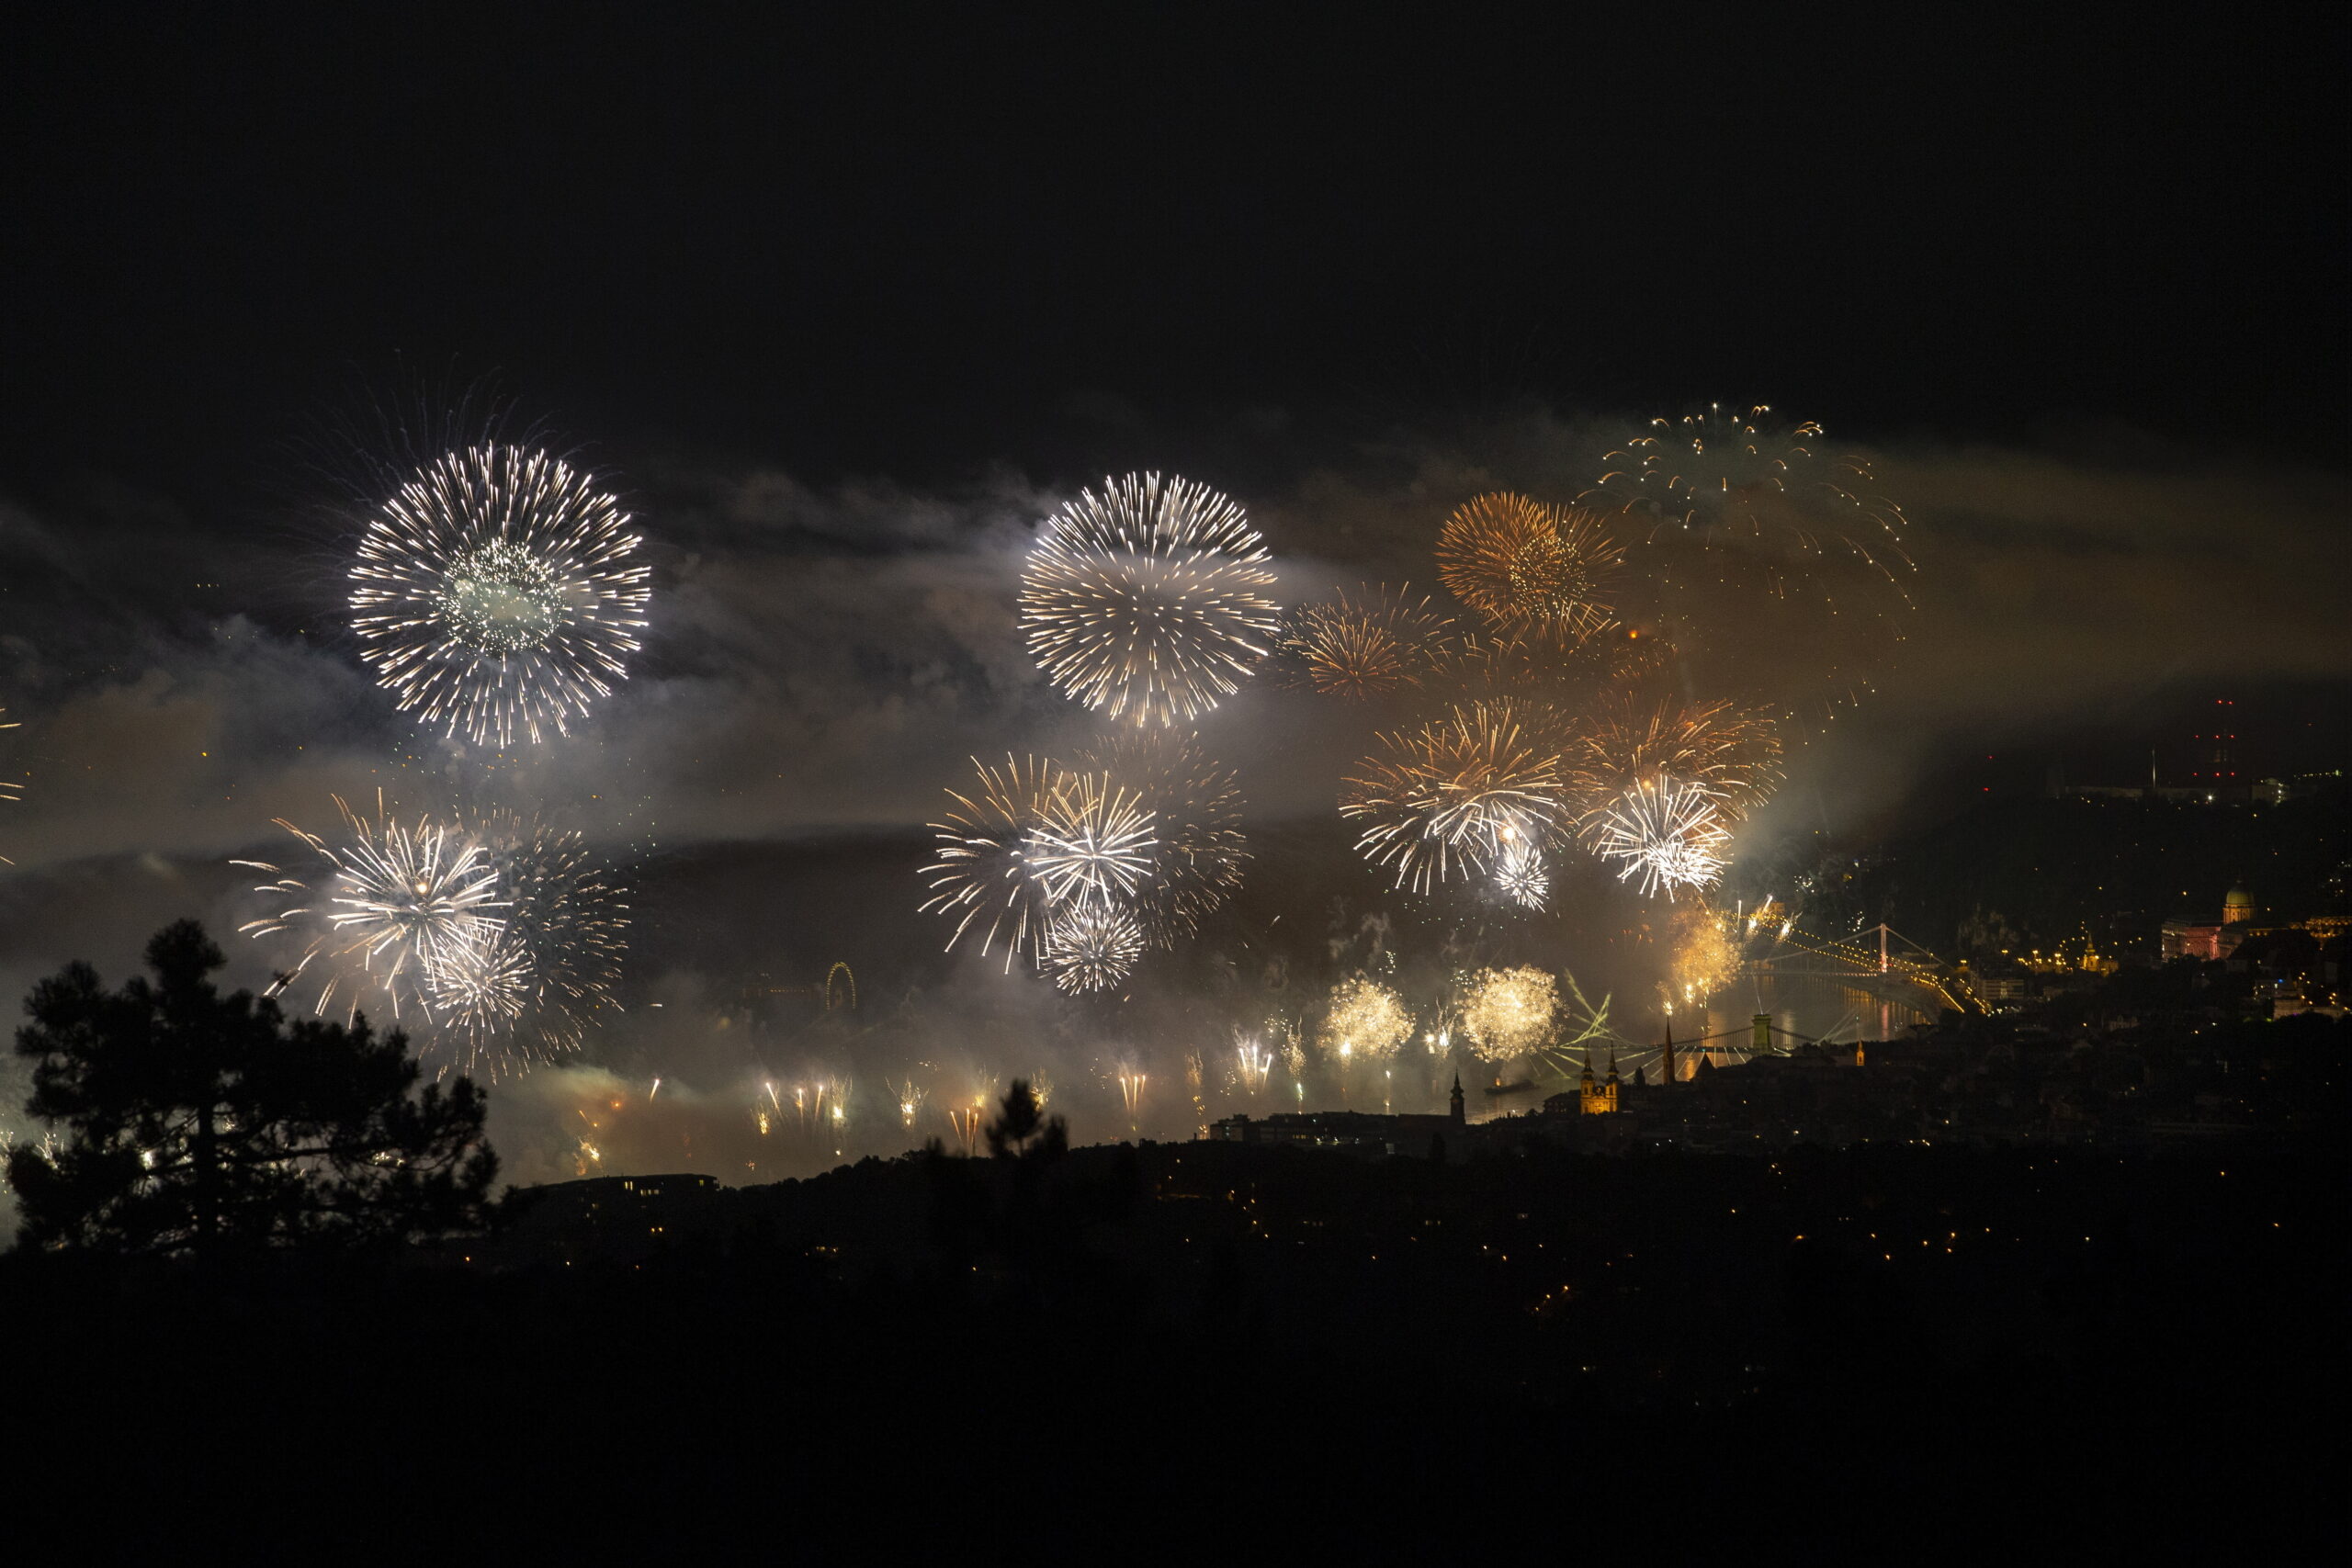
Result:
{"points": [[1451, 796], [1368, 645], [1525, 567]]}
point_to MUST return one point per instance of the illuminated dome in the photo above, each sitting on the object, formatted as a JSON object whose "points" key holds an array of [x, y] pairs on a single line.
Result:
{"points": [[2238, 905]]}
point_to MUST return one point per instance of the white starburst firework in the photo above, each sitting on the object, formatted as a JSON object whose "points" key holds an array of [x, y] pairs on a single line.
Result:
{"points": [[1093, 842], [1666, 832], [396, 902], [1092, 946], [1145, 602], [495, 594], [1522, 875]]}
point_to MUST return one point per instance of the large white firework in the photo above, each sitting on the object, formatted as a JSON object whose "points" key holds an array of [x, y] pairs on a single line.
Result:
{"points": [[495, 594], [1145, 601], [529, 989], [1666, 832], [388, 906]]}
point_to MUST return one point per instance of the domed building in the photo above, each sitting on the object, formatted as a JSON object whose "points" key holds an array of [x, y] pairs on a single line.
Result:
{"points": [[2189, 937]]}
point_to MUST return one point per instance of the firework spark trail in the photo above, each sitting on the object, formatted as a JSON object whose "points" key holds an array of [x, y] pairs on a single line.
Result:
{"points": [[1509, 1012], [10, 789], [1447, 798], [1144, 601], [1093, 842], [1201, 851], [495, 594], [1525, 567], [1257, 1062], [982, 870], [401, 901], [1092, 946], [1365, 1022], [1370, 645], [1131, 1082], [1666, 832]]}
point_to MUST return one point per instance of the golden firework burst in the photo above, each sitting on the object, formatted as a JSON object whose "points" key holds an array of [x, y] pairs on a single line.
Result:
{"points": [[1448, 798], [1526, 567], [1371, 644]]}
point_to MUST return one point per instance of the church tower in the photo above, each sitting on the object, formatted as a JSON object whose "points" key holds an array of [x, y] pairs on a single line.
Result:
{"points": [[1460, 1116], [1598, 1100]]}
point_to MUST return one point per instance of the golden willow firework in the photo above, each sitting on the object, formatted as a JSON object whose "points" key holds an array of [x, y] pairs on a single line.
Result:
{"points": [[1509, 1012], [1445, 800], [1092, 946], [1145, 602], [529, 988], [1666, 833], [1528, 567], [1365, 646], [495, 595], [390, 906], [1196, 807], [1733, 752], [982, 872], [1366, 1021]]}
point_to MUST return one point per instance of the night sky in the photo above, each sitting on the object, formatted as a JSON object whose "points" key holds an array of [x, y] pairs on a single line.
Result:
{"points": [[845, 304]]}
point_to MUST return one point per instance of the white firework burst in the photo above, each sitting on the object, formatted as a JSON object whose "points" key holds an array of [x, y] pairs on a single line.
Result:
{"points": [[397, 902], [1197, 805], [1094, 841], [529, 990], [495, 595], [1666, 832], [1092, 946], [982, 871], [1145, 602], [1522, 875]]}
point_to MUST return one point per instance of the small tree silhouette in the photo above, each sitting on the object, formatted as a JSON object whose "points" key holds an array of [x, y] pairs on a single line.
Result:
{"points": [[198, 1122], [1020, 1132]]}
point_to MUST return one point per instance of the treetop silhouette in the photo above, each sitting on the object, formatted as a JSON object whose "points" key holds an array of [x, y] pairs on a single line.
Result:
{"points": [[199, 1123]]}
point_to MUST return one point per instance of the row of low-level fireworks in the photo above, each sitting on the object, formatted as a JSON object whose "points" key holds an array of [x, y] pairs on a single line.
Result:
{"points": [[1365, 1044]]}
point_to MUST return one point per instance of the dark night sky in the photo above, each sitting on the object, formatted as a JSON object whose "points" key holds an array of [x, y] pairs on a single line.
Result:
{"points": [[873, 239], [843, 300]]}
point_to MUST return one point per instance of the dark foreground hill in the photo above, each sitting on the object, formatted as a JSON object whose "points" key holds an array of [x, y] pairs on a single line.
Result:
{"points": [[1224, 1347]]}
